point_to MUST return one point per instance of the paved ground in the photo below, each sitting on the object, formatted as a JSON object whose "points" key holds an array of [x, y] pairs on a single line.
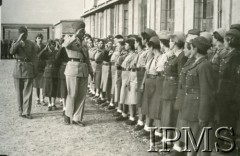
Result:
{"points": [[46, 134]]}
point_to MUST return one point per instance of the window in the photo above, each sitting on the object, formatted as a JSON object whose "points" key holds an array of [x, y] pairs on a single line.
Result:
{"points": [[125, 18], [167, 15], [219, 13], [203, 15]]}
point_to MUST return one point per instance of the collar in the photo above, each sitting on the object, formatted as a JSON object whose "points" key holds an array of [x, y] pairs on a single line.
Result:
{"points": [[178, 52]]}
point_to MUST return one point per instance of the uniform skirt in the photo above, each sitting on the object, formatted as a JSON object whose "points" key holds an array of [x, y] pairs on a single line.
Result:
{"points": [[50, 87], [132, 96], [98, 76], [118, 85], [38, 81], [148, 104], [113, 73], [124, 88], [169, 113], [140, 76], [179, 99], [106, 78]]}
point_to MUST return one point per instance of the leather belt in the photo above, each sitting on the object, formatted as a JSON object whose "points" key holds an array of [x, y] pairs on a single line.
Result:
{"points": [[171, 78], [119, 68], [141, 69], [106, 64], [192, 91], [124, 69], [133, 69], [76, 60], [23, 60], [92, 59], [151, 76]]}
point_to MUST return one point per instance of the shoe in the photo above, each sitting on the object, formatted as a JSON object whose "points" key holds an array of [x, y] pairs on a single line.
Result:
{"points": [[138, 127], [44, 103], [20, 114], [49, 108], [131, 123], [110, 107], [66, 120], [27, 116], [54, 107], [101, 101], [116, 114], [121, 118], [78, 123], [38, 102], [144, 133], [63, 114], [105, 104]]}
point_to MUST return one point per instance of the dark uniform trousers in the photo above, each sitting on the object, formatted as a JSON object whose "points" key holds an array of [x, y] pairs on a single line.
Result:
{"points": [[24, 87]]}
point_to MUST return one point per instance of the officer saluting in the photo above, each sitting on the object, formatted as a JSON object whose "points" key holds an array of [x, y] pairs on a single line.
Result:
{"points": [[24, 71], [77, 71]]}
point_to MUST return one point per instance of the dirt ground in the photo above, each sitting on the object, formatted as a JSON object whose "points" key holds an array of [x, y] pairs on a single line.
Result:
{"points": [[47, 135]]}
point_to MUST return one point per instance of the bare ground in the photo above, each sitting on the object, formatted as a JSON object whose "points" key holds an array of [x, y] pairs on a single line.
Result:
{"points": [[47, 135]]}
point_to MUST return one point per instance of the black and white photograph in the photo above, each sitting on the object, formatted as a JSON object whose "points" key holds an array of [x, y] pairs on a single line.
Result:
{"points": [[120, 78]]}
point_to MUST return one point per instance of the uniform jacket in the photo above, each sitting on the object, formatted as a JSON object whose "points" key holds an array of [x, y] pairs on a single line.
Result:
{"points": [[41, 63], [28, 52], [182, 83], [199, 103], [229, 81], [62, 58], [172, 70], [76, 49]]}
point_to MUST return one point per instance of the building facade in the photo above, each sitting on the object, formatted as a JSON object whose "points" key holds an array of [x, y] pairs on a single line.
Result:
{"points": [[111, 17]]}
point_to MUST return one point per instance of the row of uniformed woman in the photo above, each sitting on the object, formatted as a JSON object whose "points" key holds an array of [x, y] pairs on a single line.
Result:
{"points": [[169, 80]]}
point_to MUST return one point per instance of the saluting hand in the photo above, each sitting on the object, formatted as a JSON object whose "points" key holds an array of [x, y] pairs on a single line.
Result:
{"points": [[20, 37]]}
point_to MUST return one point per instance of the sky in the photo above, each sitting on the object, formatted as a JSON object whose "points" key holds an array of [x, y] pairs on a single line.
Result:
{"points": [[40, 11]]}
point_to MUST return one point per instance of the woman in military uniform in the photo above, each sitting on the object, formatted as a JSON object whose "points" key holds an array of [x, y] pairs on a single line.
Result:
{"points": [[38, 81], [172, 69], [50, 73]]}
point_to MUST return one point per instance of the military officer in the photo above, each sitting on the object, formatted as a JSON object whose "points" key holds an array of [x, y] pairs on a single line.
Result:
{"points": [[77, 71], [24, 71]]}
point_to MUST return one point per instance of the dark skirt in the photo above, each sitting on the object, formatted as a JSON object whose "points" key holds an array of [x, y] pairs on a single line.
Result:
{"points": [[150, 107], [50, 87], [140, 76], [62, 88], [106, 78], [98, 76], [179, 99], [169, 114], [38, 81]]}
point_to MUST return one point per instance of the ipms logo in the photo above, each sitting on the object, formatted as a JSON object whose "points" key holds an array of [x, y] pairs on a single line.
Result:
{"points": [[205, 140]]}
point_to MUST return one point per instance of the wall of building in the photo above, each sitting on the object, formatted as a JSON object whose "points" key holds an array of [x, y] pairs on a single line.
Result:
{"points": [[111, 20]]}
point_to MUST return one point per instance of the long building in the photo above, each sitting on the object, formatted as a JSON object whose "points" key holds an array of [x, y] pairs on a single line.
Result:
{"points": [[111, 17]]}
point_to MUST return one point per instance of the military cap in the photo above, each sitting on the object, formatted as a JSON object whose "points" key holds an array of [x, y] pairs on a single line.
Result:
{"points": [[150, 32], [207, 35], [234, 33], [164, 35], [194, 32], [155, 40], [235, 26], [22, 29], [78, 25], [179, 36], [202, 44]]}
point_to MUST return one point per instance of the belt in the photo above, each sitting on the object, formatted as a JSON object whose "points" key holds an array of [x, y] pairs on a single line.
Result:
{"points": [[151, 76], [141, 69], [64, 63], [76, 60], [171, 78], [92, 59], [192, 91], [119, 68], [159, 74], [124, 69], [23, 60], [106, 64], [112, 63]]}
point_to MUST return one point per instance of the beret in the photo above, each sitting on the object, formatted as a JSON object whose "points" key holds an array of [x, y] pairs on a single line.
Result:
{"points": [[155, 40], [201, 43], [207, 35], [194, 32], [233, 32], [78, 25], [179, 36], [164, 35], [235, 26], [150, 32]]}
